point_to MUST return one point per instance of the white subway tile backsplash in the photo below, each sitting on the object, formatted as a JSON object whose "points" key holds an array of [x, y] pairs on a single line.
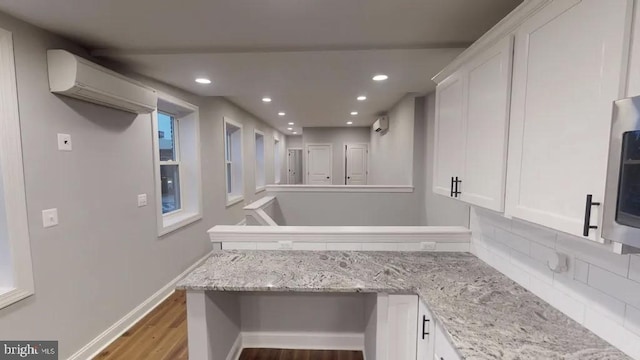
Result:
{"points": [[309, 246], [615, 285], [612, 332], [513, 241], [452, 247], [533, 267], [239, 246], [380, 246], [493, 219], [632, 320], [591, 297], [593, 253], [533, 232], [270, 245], [541, 253], [343, 246], [634, 268], [580, 270]]}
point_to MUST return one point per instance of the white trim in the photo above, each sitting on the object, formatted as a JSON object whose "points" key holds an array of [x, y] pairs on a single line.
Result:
{"points": [[95, 346], [189, 211], [260, 203], [236, 349], [305, 172], [261, 189], [503, 28], [242, 222], [341, 188], [232, 200], [337, 234], [303, 340], [14, 187]]}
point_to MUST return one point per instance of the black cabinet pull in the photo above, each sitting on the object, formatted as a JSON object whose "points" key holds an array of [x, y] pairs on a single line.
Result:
{"points": [[587, 215], [451, 187], [456, 192], [425, 323]]}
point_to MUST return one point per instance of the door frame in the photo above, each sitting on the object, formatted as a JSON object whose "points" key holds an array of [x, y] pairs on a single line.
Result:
{"points": [[344, 160], [288, 168], [306, 160]]}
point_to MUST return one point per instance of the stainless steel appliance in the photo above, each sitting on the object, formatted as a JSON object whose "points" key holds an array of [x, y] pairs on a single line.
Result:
{"points": [[622, 196]]}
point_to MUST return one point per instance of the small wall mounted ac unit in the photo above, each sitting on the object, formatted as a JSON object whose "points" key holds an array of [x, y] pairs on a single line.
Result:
{"points": [[82, 79], [381, 124]]}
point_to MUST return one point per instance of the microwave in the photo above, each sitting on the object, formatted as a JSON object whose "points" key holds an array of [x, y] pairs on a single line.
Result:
{"points": [[621, 218]]}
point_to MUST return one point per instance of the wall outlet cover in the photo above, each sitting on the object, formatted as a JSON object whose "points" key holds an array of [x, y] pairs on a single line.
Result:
{"points": [[285, 245], [142, 200], [64, 142], [49, 218], [428, 246]]}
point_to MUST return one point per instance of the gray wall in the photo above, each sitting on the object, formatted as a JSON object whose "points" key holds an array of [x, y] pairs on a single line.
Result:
{"points": [[391, 152], [104, 258], [294, 141], [439, 210], [338, 137]]}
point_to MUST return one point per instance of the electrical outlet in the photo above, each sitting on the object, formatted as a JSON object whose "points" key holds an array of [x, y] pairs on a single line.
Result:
{"points": [[49, 217], [285, 245], [64, 142], [142, 200], [428, 246]]}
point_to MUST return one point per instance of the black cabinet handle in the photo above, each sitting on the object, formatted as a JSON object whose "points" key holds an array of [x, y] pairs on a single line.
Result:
{"points": [[456, 192], [425, 326], [451, 195], [587, 215]]}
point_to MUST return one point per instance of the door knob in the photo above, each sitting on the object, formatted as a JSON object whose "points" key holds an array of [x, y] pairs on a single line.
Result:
{"points": [[328, 177]]}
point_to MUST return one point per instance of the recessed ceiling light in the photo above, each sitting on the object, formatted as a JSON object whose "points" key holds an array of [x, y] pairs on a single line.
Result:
{"points": [[349, 122], [362, 98], [290, 123], [295, 132], [354, 113], [380, 77], [203, 81], [289, 129], [282, 113], [266, 99]]}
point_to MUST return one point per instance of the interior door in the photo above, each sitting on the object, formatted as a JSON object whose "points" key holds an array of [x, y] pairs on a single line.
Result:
{"points": [[356, 164], [569, 65], [401, 327], [294, 166], [319, 163], [449, 134]]}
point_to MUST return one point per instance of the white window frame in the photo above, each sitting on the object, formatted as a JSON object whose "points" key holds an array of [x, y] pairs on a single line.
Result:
{"points": [[277, 160], [21, 280], [262, 187], [187, 148], [232, 200]]}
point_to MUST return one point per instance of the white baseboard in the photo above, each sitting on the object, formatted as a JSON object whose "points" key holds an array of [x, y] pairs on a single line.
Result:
{"points": [[309, 341], [95, 346], [236, 349]]}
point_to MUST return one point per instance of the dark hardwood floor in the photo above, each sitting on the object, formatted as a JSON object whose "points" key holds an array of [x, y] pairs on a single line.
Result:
{"points": [[283, 354], [162, 335]]}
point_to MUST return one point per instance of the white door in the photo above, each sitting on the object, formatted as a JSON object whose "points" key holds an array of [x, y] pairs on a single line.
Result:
{"points": [[569, 60], [294, 166], [488, 83], [401, 327], [319, 163], [426, 333], [356, 164], [449, 134]]}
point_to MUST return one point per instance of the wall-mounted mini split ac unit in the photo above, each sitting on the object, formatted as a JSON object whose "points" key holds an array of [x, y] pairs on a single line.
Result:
{"points": [[79, 78], [381, 124]]}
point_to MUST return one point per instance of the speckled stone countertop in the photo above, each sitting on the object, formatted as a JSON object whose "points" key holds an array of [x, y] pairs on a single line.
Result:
{"points": [[486, 315]]}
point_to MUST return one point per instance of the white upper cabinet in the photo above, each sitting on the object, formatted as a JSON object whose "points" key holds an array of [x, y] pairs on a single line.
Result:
{"points": [[487, 123], [472, 120], [449, 134], [569, 65]]}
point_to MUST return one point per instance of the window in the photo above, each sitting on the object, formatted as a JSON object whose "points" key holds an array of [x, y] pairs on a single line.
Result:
{"points": [[260, 177], [233, 161], [16, 272], [277, 161], [169, 162], [176, 130]]}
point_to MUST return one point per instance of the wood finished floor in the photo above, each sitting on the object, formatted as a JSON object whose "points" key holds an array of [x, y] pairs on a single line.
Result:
{"points": [[162, 335]]}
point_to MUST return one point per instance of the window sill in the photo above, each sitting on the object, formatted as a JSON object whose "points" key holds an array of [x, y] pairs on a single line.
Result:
{"points": [[234, 200], [10, 296], [175, 221], [260, 189]]}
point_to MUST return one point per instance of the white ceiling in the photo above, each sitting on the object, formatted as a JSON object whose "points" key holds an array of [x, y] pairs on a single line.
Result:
{"points": [[312, 57]]}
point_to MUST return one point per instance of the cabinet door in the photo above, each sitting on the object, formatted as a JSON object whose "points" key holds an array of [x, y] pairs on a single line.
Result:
{"points": [[449, 133], [443, 348], [488, 83], [401, 327], [569, 60], [426, 333]]}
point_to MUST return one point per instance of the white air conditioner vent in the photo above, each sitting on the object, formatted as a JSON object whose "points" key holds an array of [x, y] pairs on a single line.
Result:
{"points": [[79, 78], [381, 125]]}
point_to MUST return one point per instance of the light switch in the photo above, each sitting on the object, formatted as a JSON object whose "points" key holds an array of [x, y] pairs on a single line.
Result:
{"points": [[64, 142], [142, 200], [49, 217]]}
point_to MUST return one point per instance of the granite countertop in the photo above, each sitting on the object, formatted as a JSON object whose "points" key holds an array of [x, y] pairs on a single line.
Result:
{"points": [[487, 315]]}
